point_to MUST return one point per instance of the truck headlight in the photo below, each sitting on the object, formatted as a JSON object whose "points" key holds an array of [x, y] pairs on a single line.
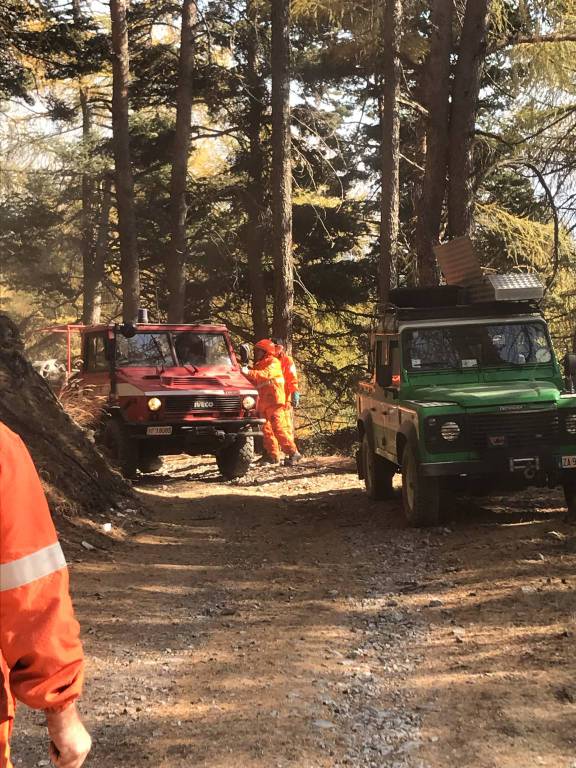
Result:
{"points": [[248, 403], [450, 431], [154, 404], [570, 423]]}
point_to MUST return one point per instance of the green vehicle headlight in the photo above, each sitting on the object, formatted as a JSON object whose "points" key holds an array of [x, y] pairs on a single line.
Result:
{"points": [[570, 423], [450, 431]]}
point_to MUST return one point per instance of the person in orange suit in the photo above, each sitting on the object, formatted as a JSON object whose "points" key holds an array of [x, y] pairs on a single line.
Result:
{"points": [[41, 659], [291, 388], [267, 378]]}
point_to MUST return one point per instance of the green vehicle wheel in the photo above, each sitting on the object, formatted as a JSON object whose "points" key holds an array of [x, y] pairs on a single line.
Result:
{"points": [[420, 494], [378, 473], [570, 494]]}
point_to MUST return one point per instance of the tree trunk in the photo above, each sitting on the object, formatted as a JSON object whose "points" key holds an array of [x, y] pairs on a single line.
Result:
{"points": [[176, 264], [467, 76], [437, 102], [282, 172], [87, 184], [93, 282], [129, 267], [390, 145], [255, 195], [87, 217]]}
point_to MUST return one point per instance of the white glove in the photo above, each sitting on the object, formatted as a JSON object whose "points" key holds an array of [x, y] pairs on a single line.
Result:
{"points": [[244, 369]]}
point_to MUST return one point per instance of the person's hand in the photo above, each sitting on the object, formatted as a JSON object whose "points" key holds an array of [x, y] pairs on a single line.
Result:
{"points": [[295, 399], [70, 742]]}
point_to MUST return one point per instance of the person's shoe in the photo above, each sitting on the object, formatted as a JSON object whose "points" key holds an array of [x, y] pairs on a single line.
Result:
{"points": [[272, 460], [289, 461]]}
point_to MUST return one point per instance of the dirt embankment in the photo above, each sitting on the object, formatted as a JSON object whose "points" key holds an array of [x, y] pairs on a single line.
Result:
{"points": [[77, 480], [289, 621]]}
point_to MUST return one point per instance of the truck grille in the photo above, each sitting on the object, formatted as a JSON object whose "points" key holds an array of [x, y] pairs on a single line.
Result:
{"points": [[204, 404], [521, 430]]}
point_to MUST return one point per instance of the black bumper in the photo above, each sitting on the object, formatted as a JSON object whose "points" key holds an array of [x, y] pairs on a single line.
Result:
{"points": [[536, 466], [200, 436]]}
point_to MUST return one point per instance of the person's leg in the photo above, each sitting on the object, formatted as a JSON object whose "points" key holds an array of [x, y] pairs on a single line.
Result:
{"points": [[288, 414], [5, 733], [271, 447], [277, 420]]}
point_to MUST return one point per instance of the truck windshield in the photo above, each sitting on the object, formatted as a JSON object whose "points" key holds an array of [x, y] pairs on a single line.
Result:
{"points": [[202, 349], [476, 346], [144, 350]]}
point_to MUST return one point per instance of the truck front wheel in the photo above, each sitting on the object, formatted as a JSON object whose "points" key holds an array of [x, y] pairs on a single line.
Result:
{"points": [[235, 460], [420, 494], [121, 448], [570, 494], [378, 473]]}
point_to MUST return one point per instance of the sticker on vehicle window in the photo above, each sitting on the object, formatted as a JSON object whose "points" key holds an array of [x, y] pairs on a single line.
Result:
{"points": [[416, 363], [470, 363]]}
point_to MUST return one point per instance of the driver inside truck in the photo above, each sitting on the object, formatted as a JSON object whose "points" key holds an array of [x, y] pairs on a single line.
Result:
{"points": [[190, 349]]}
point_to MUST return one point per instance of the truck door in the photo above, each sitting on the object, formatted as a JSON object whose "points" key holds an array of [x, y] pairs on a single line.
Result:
{"points": [[96, 370]]}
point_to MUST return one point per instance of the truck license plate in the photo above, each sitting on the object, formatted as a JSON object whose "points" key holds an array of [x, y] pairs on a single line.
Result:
{"points": [[568, 462], [158, 430]]}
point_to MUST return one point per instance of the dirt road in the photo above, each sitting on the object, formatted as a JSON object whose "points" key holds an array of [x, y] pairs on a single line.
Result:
{"points": [[289, 621]]}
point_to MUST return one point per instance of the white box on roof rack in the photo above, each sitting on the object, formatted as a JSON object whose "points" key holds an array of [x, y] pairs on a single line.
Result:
{"points": [[517, 286]]}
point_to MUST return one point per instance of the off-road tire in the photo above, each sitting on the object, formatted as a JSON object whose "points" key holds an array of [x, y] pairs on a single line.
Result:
{"points": [[570, 494], [121, 449], [235, 460], [378, 472], [150, 463], [420, 494]]}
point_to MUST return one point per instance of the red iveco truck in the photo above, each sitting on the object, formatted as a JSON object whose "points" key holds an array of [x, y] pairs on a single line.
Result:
{"points": [[168, 389]]}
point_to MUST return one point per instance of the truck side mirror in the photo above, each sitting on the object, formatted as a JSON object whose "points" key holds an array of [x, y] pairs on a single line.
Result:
{"points": [[570, 371], [244, 353]]}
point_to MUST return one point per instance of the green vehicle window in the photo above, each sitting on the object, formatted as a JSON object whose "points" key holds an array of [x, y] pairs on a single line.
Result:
{"points": [[472, 346]]}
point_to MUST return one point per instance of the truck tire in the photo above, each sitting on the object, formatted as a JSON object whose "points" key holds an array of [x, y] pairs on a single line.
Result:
{"points": [[121, 448], [570, 494], [150, 462], [378, 473], [235, 460], [420, 494]]}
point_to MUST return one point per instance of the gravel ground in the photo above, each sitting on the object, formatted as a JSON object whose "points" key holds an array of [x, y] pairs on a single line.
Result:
{"points": [[286, 620]]}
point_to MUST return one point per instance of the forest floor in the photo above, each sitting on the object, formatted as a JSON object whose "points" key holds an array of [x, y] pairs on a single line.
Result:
{"points": [[287, 620]]}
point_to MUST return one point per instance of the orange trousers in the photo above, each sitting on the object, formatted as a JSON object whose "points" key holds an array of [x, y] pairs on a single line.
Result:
{"points": [[5, 733], [276, 433], [289, 419]]}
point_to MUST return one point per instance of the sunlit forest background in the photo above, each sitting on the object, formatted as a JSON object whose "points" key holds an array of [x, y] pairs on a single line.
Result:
{"points": [[58, 216]]}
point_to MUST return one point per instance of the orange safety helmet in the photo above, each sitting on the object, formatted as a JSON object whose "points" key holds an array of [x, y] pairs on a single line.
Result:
{"points": [[266, 345]]}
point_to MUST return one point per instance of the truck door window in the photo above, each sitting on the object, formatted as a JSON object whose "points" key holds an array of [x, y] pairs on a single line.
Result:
{"points": [[96, 353]]}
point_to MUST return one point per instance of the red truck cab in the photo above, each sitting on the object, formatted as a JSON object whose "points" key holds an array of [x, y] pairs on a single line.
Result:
{"points": [[169, 389]]}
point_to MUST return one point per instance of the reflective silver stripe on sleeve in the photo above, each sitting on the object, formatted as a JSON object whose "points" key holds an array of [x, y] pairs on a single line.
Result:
{"points": [[27, 569]]}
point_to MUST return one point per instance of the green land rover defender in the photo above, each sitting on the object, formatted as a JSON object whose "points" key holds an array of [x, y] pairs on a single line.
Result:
{"points": [[464, 395]]}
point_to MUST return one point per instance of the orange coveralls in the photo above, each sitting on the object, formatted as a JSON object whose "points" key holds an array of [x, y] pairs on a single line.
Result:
{"points": [[268, 380], [290, 375], [41, 660]]}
